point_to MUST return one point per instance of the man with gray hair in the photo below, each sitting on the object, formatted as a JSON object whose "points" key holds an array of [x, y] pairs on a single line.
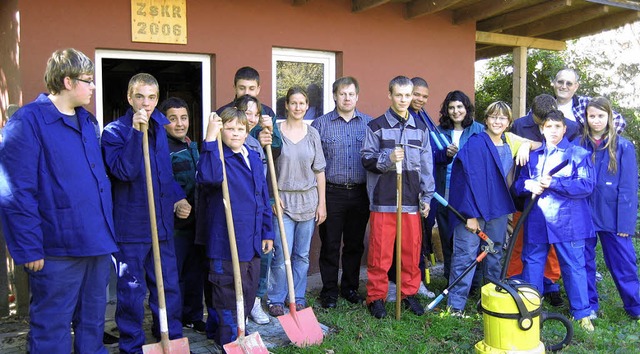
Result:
{"points": [[565, 85]]}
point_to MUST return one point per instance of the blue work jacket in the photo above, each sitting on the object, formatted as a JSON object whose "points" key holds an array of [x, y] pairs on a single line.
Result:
{"points": [[249, 200], [614, 202], [122, 150], [478, 184], [55, 195], [442, 166], [562, 212]]}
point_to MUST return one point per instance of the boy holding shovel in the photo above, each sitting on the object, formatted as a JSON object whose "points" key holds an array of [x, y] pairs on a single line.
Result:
{"points": [[251, 213], [379, 157]]}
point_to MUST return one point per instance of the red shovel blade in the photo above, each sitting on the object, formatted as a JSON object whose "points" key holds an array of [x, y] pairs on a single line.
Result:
{"points": [[175, 346], [302, 327], [246, 344]]}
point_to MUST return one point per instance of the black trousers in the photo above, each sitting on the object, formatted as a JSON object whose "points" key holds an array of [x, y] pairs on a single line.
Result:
{"points": [[347, 217]]}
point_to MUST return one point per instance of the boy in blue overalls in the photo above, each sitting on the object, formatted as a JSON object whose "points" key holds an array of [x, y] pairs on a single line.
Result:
{"points": [[561, 216], [251, 217]]}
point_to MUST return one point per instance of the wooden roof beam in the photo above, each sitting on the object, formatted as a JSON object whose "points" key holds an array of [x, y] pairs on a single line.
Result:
{"points": [[518, 41], [559, 21], [625, 4], [522, 16], [481, 10], [597, 25], [492, 52], [362, 5], [417, 8], [299, 2]]}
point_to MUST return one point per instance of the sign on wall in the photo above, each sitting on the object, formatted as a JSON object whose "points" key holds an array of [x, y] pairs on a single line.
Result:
{"points": [[159, 21]]}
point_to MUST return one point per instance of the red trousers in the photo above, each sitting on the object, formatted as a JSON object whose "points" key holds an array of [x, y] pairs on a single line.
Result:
{"points": [[551, 269], [382, 236]]}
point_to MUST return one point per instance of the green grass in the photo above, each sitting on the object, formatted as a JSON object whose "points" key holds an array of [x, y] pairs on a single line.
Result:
{"points": [[355, 331]]}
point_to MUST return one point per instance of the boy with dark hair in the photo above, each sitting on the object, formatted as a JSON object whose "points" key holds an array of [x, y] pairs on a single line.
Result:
{"points": [[56, 208], [189, 256], [561, 216], [251, 217], [247, 82], [122, 150], [396, 137]]}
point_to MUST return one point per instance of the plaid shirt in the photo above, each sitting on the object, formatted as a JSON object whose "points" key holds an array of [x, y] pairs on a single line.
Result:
{"points": [[341, 143], [580, 108]]}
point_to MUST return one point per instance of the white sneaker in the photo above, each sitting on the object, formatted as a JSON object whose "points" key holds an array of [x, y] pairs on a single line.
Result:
{"points": [[391, 295], [425, 292], [257, 313], [593, 315]]}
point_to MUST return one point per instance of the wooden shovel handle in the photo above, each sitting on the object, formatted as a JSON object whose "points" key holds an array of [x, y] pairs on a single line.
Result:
{"points": [[155, 244], [283, 236], [398, 239]]}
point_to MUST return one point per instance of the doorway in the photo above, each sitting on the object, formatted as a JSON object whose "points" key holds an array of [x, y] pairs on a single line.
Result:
{"points": [[186, 76]]}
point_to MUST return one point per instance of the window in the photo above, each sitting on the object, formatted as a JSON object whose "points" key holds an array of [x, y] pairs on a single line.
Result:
{"points": [[314, 71]]}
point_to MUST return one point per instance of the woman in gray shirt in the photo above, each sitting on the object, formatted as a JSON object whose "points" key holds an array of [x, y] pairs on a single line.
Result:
{"points": [[301, 184]]}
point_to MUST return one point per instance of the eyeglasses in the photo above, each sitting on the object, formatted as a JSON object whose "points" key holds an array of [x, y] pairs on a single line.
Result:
{"points": [[90, 82], [569, 84], [498, 118]]}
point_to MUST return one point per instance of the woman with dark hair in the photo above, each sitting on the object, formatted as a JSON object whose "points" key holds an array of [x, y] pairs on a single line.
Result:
{"points": [[301, 186], [614, 203], [457, 124]]}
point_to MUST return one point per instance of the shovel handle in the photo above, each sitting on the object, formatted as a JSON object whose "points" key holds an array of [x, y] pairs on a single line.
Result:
{"points": [[155, 244], [233, 247], [398, 239], [283, 236]]}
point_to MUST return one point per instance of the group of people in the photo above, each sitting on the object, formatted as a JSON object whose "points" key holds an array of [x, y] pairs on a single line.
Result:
{"points": [[74, 201]]}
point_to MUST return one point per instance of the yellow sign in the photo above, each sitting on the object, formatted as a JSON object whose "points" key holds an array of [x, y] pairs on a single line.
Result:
{"points": [[159, 21]]}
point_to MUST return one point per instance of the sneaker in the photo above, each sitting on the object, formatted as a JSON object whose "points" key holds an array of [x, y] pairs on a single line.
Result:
{"points": [[593, 315], [300, 307], [257, 313], [196, 326], [425, 292], [586, 324], [377, 309], [554, 299], [457, 313], [109, 340], [276, 310], [391, 295], [412, 303], [598, 276]]}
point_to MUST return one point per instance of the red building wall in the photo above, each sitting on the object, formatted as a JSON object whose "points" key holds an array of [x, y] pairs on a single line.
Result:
{"points": [[373, 46]]}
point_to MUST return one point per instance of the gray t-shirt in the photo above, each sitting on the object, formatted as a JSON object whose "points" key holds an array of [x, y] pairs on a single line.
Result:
{"points": [[296, 168]]}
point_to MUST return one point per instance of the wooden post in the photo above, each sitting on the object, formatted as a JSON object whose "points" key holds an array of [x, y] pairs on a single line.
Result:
{"points": [[519, 102]]}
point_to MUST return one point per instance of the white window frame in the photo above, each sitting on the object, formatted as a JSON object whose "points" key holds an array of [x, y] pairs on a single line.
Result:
{"points": [[160, 56], [306, 56]]}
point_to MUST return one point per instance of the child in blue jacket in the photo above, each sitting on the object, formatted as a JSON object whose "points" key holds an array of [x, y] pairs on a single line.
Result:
{"points": [[561, 216], [251, 217], [614, 203]]}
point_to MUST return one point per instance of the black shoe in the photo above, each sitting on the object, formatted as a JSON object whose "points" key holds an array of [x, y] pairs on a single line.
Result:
{"points": [[412, 303], [377, 309], [554, 299], [353, 297], [109, 340], [328, 302], [197, 326]]}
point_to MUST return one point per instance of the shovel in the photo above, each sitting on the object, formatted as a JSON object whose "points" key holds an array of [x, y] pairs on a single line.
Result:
{"points": [[243, 344], [398, 239], [176, 346], [302, 326]]}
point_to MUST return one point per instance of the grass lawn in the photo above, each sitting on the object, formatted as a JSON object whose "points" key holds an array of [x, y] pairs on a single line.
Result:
{"points": [[355, 331]]}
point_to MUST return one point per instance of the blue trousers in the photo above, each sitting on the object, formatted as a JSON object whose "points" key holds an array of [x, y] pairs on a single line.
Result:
{"points": [[191, 262], [69, 291], [299, 235], [135, 277], [620, 258], [222, 326], [572, 267], [466, 247]]}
